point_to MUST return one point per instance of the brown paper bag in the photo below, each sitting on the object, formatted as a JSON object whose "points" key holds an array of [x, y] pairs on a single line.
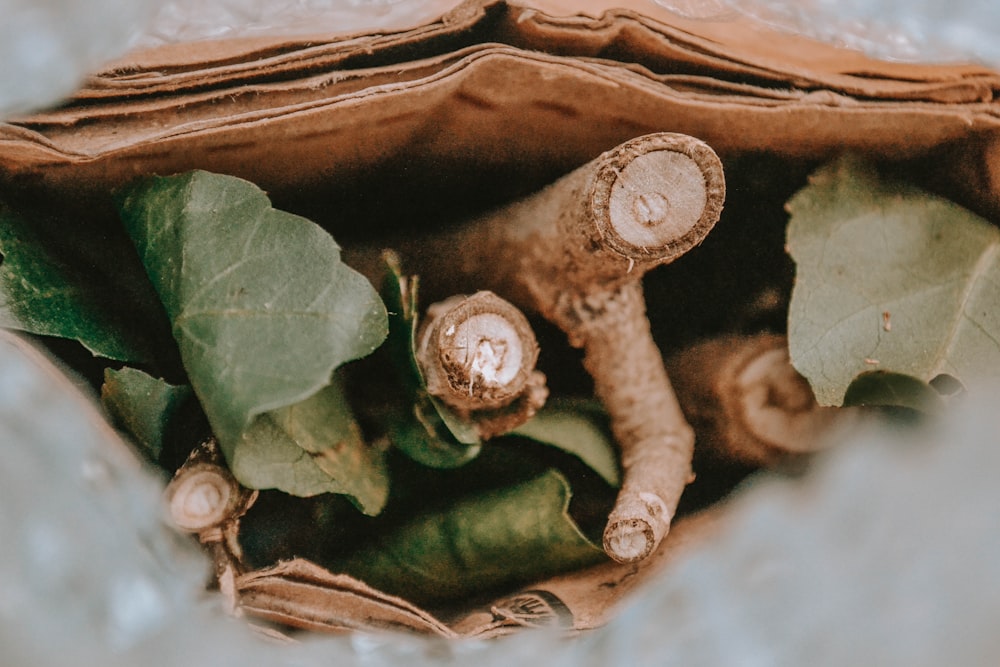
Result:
{"points": [[492, 100], [479, 88]]}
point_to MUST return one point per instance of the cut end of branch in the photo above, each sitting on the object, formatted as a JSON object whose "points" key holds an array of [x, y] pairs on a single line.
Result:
{"points": [[748, 402], [636, 527], [477, 352], [203, 496], [629, 540], [778, 406], [658, 196]]}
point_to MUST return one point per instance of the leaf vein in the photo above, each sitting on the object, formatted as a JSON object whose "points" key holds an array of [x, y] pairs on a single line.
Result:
{"points": [[982, 265]]}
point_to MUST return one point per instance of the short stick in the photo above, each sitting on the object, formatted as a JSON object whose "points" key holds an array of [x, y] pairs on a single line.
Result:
{"points": [[477, 354], [576, 252], [204, 498], [748, 403], [203, 495], [656, 443]]}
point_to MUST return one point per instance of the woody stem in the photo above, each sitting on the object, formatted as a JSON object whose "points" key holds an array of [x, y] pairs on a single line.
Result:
{"points": [[656, 442], [476, 352], [576, 252]]}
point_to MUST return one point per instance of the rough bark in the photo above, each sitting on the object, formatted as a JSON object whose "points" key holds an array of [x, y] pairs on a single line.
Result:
{"points": [[576, 252]]}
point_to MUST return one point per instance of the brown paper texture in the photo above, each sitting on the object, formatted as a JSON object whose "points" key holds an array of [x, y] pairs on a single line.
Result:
{"points": [[293, 114], [587, 599], [300, 594]]}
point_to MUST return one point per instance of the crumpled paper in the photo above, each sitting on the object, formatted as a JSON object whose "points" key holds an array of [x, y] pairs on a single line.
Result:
{"points": [[48, 47]]}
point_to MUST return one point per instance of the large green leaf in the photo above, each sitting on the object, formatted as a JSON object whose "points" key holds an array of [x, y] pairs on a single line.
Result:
{"points": [[55, 281], [142, 405], [312, 447], [479, 544], [889, 277], [262, 308]]}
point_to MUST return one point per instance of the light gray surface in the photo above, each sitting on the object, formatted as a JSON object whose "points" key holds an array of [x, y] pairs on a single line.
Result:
{"points": [[917, 30], [46, 46]]}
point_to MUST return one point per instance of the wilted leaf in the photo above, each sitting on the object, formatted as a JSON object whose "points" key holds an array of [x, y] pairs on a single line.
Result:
{"points": [[49, 289], [142, 405], [889, 277], [480, 544], [313, 447], [578, 428], [428, 432], [262, 308]]}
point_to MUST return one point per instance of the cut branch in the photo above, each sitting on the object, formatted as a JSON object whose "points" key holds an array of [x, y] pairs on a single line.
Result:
{"points": [[477, 354], [204, 498], [656, 443], [748, 403], [576, 252]]}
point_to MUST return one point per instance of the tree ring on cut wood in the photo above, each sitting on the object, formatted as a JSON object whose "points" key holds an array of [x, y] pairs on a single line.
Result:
{"points": [[658, 196], [203, 496], [477, 352]]}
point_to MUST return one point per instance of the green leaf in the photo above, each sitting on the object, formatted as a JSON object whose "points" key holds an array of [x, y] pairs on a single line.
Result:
{"points": [[886, 389], [85, 287], [480, 544], [262, 308], [579, 428], [312, 447], [429, 432], [889, 277], [142, 405], [428, 439]]}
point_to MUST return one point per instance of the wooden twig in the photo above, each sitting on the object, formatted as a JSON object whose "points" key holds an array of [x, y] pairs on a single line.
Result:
{"points": [[656, 442], [576, 252], [747, 402], [205, 499], [477, 354]]}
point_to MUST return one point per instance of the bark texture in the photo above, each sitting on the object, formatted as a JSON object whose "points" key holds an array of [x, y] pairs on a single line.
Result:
{"points": [[575, 252]]}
